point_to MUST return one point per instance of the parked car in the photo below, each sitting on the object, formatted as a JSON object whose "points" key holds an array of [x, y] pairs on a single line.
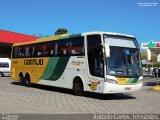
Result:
{"points": [[156, 72], [149, 72], [5, 64]]}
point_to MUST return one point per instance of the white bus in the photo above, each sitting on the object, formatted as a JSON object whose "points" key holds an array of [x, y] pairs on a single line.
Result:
{"points": [[5, 64], [100, 62]]}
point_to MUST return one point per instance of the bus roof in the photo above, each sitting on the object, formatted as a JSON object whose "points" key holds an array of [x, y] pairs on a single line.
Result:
{"points": [[108, 33], [58, 37], [4, 59]]}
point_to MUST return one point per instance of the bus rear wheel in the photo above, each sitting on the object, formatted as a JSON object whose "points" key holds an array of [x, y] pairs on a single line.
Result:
{"points": [[21, 80], [78, 87], [27, 80]]}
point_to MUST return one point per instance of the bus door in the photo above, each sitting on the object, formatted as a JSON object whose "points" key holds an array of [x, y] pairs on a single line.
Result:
{"points": [[95, 67]]}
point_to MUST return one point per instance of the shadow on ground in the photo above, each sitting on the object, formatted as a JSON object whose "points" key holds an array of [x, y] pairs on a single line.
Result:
{"points": [[151, 83], [86, 94]]}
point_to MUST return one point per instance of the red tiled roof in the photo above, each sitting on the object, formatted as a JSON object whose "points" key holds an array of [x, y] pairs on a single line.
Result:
{"points": [[13, 37]]}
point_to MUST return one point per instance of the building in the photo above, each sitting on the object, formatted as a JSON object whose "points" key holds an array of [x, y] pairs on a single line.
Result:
{"points": [[152, 47], [7, 39]]}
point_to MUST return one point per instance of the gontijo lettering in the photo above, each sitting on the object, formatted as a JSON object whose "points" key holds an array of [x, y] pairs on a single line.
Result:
{"points": [[33, 62]]}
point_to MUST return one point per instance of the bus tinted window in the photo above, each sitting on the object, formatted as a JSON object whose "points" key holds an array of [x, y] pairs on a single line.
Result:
{"points": [[76, 47], [71, 47], [21, 52], [64, 47], [15, 52], [28, 51], [4, 64]]}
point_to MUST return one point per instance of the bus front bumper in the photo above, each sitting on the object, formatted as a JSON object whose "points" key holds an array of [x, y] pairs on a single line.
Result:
{"points": [[6, 73], [116, 88]]}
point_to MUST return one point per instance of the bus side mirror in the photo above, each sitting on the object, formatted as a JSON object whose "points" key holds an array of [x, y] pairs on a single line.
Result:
{"points": [[107, 50]]}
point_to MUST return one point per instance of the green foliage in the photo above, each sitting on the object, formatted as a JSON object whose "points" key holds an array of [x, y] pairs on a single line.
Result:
{"points": [[144, 55], [153, 57], [61, 31], [154, 65]]}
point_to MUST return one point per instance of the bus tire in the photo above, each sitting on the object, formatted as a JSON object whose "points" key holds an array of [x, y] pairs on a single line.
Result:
{"points": [[78, 87], [27, 80], [1, 74], [21, 79]]}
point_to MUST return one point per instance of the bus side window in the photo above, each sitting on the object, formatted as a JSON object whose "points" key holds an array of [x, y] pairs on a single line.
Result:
{"points": [[33, 51], [70, 51], [51, 52], [38, 51], [76, 46], [44, 50], [21, 52], [28, 52], [56, 49], [50, 48], [15, 52]]}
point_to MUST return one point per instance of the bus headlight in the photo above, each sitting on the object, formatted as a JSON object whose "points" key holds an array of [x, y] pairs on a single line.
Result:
{"points": [[111, 81]]}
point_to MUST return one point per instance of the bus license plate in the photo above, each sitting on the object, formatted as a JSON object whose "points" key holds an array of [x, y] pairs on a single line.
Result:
{"points": [[127, 88]]}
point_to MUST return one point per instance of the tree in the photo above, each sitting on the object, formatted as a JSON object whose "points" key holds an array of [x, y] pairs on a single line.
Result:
{"points": [[153, 57], [143, 55], [61, 31]]}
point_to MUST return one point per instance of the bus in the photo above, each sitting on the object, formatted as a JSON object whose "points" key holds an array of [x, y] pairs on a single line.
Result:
{"points": [[5, 64], [101, 62]]}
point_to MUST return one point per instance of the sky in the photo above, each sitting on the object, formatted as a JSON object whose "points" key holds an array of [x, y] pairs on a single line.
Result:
{"points": [[43, 17]]}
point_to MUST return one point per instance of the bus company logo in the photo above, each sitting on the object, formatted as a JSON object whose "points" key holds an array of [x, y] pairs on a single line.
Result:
{"points": [[33, 62], [93, 85], [77, 63]]}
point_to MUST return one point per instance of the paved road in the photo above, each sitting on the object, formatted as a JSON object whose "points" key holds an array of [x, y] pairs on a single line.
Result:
{"points": [[50, 100]]}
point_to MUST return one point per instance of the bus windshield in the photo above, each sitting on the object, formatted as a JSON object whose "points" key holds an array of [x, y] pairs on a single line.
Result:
{"points": [[124, 62]]}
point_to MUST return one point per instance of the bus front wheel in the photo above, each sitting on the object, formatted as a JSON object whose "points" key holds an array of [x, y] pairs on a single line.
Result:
{"points": [[78, 87]]}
